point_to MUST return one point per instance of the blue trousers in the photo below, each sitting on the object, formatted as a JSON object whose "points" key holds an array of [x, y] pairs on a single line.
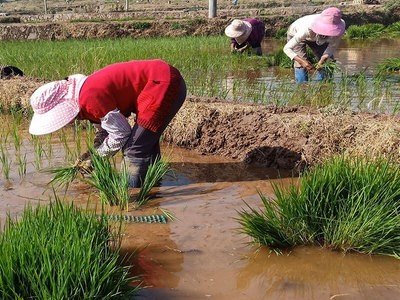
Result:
{"points": [[301, 75]]}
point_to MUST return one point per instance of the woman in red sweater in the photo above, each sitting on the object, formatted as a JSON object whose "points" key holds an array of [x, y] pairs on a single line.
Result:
{"points": [[151, 89]]}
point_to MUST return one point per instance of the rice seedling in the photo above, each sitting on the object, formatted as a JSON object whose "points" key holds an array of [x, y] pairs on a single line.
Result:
{"points": [[168, 214], [393, 30], [389, 65], [63, 252], [49, 146], [155, 173], [5, 162], [38, 154], [364, 31], [349, 204], [111, 184], [63, 136], [21, 160], [63, 176]]}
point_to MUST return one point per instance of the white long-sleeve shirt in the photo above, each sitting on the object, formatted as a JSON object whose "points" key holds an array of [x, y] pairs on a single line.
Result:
{"points": [[300, 32]]}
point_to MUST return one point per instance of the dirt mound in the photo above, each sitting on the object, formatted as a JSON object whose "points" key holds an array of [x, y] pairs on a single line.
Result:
{"points": [[287, 138], [280, 137]]}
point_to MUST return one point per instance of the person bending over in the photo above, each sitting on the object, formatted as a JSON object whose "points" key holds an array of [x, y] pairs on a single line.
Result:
{"points": [[322, 33], [153, 90], [246, 33]]}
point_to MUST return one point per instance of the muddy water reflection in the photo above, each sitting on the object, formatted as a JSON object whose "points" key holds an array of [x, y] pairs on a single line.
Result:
{"points": [[212, 259], [201, 255]]}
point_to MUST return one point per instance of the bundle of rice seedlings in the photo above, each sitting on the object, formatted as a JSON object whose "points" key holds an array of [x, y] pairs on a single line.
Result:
{"points": [[349, 204], [111, 184], [155, 173], [63, 176], [62, 252]]}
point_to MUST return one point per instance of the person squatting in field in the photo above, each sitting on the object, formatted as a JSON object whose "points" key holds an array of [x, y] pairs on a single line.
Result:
{"points": [[322, 33], [153, 90]]}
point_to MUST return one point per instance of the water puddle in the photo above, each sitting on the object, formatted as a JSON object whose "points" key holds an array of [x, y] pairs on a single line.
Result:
{"points": [[202, 255]]}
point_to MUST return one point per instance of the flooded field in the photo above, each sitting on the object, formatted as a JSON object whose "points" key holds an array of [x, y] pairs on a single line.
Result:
{"points": [[357, 62], [202, 255]]}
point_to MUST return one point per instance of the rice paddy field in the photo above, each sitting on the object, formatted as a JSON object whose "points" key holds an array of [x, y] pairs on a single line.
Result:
{"points": [[234, 230]]}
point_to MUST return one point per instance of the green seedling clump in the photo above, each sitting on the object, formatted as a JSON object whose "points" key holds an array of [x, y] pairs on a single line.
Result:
{"points": [[62, 252], [345, 204]]}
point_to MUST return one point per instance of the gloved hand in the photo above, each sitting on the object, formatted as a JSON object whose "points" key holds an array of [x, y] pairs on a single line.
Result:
{"points": [[241, 50], [84, 163]]}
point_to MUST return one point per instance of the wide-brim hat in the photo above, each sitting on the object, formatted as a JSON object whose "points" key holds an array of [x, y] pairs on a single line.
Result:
{"points": [[55, 104], [329, 22], [239, 30]]}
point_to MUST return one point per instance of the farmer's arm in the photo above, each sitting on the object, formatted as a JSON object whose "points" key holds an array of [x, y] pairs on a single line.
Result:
{"points": [[118, 131], [332, 46]]}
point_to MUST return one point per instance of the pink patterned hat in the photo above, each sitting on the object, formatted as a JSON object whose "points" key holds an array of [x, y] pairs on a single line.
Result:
{"points": [[329, 22], [55, 104]]}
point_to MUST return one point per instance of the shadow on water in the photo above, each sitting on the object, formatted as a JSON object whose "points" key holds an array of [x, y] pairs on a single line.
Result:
{"points": [[262, 163], [221, 172]]}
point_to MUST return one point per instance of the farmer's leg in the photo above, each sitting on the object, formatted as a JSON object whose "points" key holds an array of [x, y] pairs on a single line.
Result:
{"points": [[143, 146], [138, 153]]}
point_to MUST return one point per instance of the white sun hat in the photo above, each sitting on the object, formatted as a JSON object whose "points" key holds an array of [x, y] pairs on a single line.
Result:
{"points": [[239, 30], [55, 104]]}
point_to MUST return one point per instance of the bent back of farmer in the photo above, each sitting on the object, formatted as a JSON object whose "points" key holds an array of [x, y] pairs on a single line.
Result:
{"points": [[246, 33], [322, 34]]}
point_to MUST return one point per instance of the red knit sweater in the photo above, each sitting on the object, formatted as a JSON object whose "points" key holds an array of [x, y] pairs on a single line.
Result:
{"points": [[144, 87]]}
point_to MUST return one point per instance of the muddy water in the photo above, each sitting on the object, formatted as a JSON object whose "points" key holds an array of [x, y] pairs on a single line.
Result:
{"points": [[202, 255]]}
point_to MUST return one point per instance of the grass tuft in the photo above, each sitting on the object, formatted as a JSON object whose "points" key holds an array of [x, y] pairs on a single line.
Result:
{"points": [[154, 174], [111, 184], [344, 204], [62, 252]]}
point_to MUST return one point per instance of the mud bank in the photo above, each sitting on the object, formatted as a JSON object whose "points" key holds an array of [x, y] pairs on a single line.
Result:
{"points": [[278, 137]]}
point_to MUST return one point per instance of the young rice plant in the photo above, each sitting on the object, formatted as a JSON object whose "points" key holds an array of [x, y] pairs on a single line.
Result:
{"points": [[62, 252], [346, 204]]}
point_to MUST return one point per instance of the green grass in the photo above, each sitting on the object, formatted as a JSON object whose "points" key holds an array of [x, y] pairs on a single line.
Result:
{"points": [[368, 31], [206, 63], [364, 31], [111, 183], [343, 204], [389, 65], [155, 173], [62, 252]]}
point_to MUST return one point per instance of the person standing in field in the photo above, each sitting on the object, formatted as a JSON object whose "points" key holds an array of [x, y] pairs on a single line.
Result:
{"points": [[153, 90], [322, 33], [246, 33]]}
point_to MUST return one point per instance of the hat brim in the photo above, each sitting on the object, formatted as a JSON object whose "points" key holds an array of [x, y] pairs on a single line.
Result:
{"points": [[52, 120], [328, 29], [232, 33]]}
